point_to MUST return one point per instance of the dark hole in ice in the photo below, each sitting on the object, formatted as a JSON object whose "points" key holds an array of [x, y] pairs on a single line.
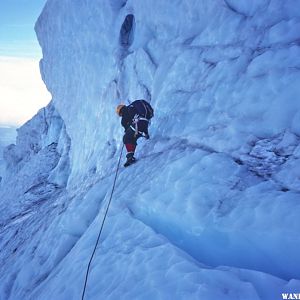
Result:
{"points": [[126, 32]]}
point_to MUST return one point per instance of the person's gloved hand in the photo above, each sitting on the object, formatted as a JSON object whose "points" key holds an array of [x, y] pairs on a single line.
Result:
{"points": [[146, 136]]}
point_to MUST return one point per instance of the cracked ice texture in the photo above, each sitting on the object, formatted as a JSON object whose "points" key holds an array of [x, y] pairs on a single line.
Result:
{"points": [[220, 74], [221, 77]]}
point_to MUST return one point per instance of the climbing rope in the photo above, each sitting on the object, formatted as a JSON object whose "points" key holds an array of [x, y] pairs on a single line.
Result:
{"points": [[99, 235]]}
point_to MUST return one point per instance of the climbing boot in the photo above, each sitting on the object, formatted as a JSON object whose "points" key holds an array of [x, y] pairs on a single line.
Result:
{"points": [[130, 159]]}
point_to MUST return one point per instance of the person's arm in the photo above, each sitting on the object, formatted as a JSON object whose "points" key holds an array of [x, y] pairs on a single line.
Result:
{"points": [[126, 120], [124, 123]]}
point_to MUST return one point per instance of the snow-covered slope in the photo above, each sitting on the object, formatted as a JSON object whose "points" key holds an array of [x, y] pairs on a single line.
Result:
{"points": [[211, 209], [7, 136], [37, 166]]}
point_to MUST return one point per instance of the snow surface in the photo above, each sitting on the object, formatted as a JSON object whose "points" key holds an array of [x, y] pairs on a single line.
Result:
{"points": [[211, 209], [7, 136]]}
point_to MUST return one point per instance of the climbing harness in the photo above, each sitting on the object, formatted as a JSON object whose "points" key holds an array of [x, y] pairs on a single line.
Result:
{"points": [[136, 120], [99, 235], [137, 132]]}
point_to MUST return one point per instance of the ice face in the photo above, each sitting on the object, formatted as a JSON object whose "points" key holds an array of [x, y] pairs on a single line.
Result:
{"points": [[7, 137], [214, 75], [212, 203]]}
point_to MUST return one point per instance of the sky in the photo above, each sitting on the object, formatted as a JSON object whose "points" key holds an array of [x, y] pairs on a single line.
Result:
{"points": [[22, 91]]}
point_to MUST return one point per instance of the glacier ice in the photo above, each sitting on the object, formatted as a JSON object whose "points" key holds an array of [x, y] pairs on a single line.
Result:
{"points": [[211, 208], [7, 137]]}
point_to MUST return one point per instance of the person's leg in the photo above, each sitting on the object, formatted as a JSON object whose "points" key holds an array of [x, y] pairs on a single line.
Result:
{"points": [[129, 140], [143, 127]]}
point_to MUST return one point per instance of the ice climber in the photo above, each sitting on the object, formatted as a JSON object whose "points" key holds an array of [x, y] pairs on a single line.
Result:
{"points": [[135, 120]]}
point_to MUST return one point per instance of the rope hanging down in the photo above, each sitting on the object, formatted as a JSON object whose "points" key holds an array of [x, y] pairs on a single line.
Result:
{"points": [[99, 235]]}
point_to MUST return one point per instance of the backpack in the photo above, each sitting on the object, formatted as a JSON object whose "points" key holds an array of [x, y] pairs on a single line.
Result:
{"points": [[143, 109]]}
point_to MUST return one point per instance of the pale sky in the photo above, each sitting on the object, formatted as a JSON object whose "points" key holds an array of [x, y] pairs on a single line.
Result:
{"points": [[22, 91]]}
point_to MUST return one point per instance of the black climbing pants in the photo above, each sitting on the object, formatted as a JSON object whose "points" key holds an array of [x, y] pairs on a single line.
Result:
{"points": [[129, 137]]}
